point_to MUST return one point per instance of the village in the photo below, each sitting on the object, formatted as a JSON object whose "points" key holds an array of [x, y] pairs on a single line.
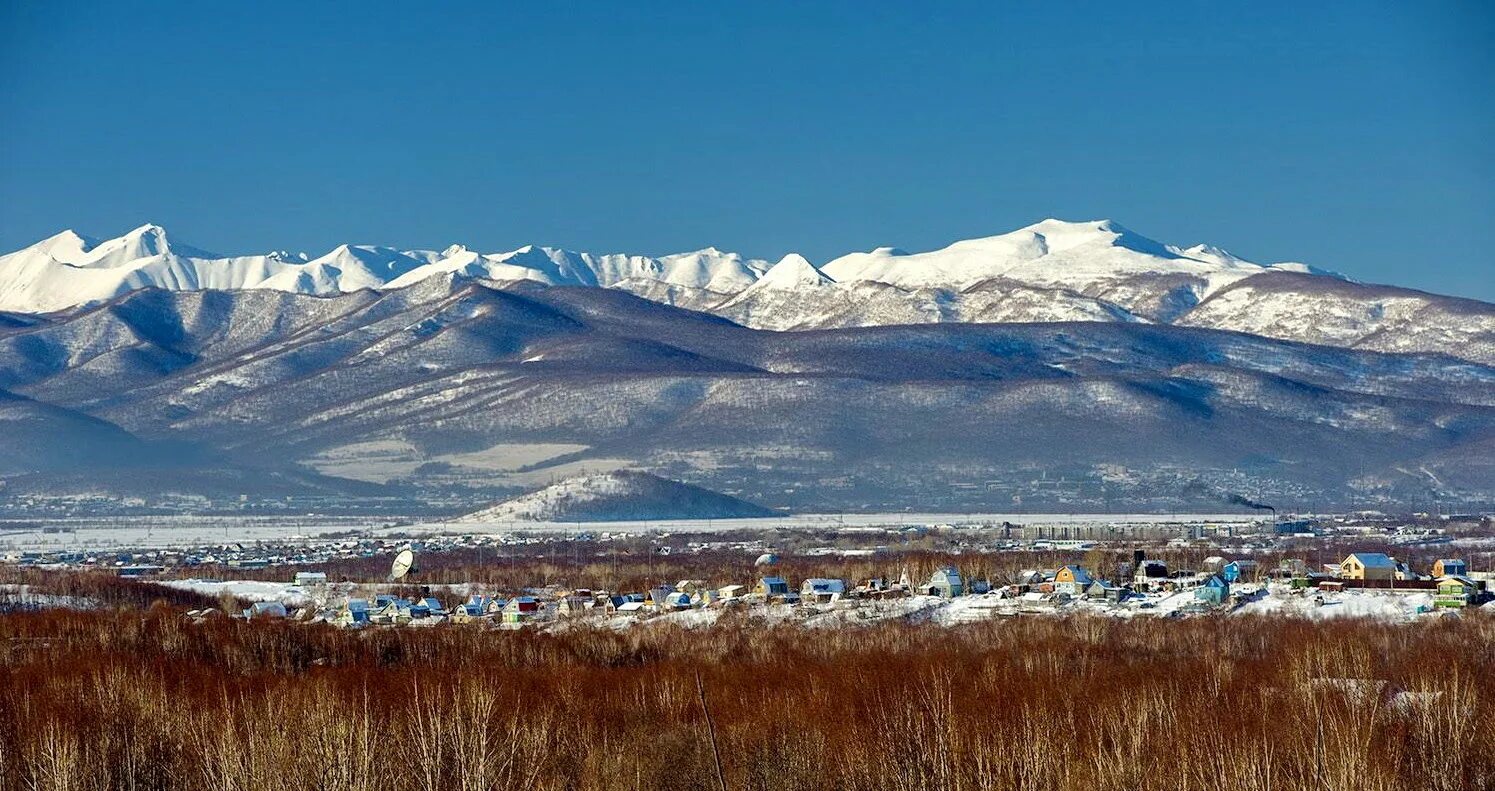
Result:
{"points": [[827, 574], [1369, 584]]}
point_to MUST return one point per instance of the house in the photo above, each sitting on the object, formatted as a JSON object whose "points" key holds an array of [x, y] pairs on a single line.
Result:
{"points": [[1405, 572], [729, 592], [660, 597], [978, 587], [1072, 580], [1215, 590], [475, 609], [1029, 577], [1450, 568], [390, 610], [1214, 564], [266, 609], [574, 604], [679, 600], [691, 587], [1148, 573], [822, 591], [305, 578], [1101, 589], [945, 583], [354, 613], [1236, 570], [1455, 591], [772, 587], [431, 606], [520, 609], [1368, 566]]}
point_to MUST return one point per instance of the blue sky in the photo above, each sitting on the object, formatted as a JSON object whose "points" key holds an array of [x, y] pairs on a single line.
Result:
{"points": [[1354, 136]]}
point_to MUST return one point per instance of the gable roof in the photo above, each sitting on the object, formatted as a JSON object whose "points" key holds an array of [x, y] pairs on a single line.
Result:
{"points": [[1373, 560], [1079, 572]]}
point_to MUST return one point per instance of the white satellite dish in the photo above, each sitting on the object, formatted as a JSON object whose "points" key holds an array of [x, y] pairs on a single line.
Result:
{"points": [[403, 565]]}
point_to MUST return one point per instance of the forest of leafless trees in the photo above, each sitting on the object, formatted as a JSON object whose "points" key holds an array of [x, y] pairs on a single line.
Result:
{"points": [[145, 699]]}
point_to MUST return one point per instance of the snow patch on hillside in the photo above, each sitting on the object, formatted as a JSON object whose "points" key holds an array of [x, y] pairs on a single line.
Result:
{"points": [[614, 496]]}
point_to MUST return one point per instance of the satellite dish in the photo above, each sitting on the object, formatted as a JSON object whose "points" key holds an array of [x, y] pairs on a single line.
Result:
{"points": [[403, 565]]}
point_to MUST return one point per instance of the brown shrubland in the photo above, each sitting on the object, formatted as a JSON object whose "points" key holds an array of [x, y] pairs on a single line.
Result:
{"points": [[148, 699]]}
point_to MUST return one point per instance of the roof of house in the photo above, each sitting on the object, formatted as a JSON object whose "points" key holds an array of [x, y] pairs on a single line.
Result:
{"points": [[1081, 575], [948, 571], [1378, 560]]}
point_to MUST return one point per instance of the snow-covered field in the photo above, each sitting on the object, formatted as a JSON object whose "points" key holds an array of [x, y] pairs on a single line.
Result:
{"points": [[251, 590], [161, 532], [169, 532]]}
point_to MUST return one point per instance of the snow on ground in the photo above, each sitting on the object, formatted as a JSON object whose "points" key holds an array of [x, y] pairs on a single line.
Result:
{"points": [[251, 590], [1356, 604], [159, 532]]}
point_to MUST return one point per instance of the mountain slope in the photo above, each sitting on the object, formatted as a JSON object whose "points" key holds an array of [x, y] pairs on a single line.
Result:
{"points": [[1302, 307], [448, 383], [622, 495]]}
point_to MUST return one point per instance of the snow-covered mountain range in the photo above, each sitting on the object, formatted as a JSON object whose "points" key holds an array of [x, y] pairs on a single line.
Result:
{"points": [[1053, 270]]}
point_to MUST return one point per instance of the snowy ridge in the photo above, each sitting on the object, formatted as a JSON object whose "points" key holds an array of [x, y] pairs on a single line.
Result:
{"points": [[68, 269], [1095, 271], [619, 495]]}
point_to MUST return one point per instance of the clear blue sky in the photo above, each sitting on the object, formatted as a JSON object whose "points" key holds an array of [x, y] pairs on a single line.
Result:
{"points": [[1356, 137]]}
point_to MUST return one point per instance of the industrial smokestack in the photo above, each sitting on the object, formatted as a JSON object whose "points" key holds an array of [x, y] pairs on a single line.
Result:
{"points": [[1236, 499]]}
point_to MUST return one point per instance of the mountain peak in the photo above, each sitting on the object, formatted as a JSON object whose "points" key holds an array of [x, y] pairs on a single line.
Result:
{"points": [[791, 272], [149, 238], [67, 246]]}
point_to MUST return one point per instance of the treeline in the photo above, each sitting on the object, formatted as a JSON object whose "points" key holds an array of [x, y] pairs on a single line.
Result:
{"points": [[148, 700], [98, 588]]}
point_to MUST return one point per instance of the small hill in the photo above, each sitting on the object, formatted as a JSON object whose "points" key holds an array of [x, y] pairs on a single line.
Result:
{"points": [[624, 495]]}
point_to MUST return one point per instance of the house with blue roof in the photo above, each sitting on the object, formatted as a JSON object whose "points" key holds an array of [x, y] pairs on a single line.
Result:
{"points": [[1215, 590]]}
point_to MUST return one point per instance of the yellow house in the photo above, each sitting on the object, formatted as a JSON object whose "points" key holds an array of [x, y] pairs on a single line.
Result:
{"points": [[1368, 566], [1448, 567], [1072, 580]]}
